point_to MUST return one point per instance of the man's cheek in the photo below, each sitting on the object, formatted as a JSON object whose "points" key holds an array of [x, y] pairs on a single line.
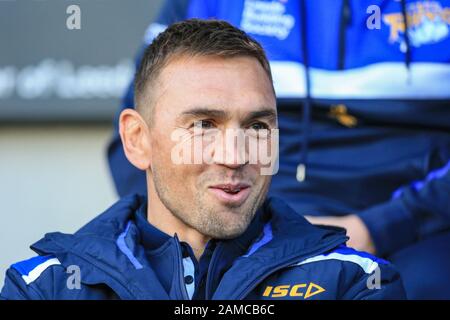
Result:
{"points": [[162, 146]]}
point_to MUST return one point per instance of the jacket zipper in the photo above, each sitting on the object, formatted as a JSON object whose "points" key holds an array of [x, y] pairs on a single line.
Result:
{"points": [[212, 264], [184, 293]]}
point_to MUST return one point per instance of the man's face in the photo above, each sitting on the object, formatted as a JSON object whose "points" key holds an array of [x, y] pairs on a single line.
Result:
{"points": [[200, 97]]}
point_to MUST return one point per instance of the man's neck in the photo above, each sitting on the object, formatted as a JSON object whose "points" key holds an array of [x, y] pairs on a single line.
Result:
{"points": [[160, 217]]}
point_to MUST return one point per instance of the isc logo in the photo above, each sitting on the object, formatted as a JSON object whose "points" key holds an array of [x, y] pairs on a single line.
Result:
{"points": [[298, 290]]}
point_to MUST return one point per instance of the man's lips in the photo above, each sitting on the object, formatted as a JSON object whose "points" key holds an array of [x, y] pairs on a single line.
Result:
{"points": [[230, 193]]}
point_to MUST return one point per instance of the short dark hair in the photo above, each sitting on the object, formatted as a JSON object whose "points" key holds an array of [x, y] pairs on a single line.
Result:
{"points": [[194, 37]]}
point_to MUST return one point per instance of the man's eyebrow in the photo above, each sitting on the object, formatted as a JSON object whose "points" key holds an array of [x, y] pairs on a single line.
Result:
{"points": [[267, 113], [201, 112]]}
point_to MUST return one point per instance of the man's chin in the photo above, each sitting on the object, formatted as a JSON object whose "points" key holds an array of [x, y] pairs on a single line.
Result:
{"points": [[228, 234], [234, 222]]}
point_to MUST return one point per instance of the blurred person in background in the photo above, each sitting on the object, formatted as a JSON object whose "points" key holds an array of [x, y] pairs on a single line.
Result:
{"points": [[364, 121]]}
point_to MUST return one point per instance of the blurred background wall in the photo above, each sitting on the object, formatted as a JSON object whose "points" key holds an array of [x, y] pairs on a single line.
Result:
{"points": [[59, 90]]}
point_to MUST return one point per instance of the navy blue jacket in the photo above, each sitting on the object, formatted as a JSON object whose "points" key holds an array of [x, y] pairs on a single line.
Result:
{"points": [[280, 256], [365, 111]]}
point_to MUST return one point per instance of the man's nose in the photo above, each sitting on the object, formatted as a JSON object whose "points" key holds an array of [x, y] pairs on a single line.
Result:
{"points": [[232, 151]]}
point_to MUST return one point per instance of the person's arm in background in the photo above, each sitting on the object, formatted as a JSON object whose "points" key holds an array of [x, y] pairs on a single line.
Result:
{"points": [[127, 178], [415, 211]]}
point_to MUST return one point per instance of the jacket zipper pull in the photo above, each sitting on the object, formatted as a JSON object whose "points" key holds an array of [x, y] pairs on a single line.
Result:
{"points": [[340, 113]]}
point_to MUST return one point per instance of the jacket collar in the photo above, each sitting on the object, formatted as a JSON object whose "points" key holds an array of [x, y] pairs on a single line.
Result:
{"points": [[151, 237], [276, 237], [94, 248]]}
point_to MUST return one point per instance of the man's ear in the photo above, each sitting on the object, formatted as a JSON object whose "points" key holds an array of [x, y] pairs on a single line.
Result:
{"points": [[135, 136]]}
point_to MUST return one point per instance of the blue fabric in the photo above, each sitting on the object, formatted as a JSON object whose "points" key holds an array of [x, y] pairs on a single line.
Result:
{"points": [[414, 214], [124, 248], [154, 241], [151, 237], [377, 45], [108, 273], [417, 185], [267, 237], [24, 267], [351, 251], [425, 266]]}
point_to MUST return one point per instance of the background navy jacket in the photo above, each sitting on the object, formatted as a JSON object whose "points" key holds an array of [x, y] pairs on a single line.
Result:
{"points": [[363, 113], [280, 256]]}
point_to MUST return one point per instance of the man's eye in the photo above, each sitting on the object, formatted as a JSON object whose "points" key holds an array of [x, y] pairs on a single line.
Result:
{"points": [[203, 124], [259, 126]]}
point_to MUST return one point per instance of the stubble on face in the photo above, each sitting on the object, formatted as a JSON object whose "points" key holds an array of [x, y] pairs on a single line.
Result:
{"points": [[204, 214]]}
